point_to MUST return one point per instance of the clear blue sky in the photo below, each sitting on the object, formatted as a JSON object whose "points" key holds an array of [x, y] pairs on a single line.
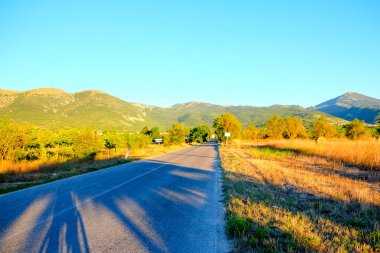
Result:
{"points": [[166, 52]]}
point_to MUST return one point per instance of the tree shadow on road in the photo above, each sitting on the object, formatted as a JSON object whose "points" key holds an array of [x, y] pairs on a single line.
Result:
{"points": [[109, 207]]}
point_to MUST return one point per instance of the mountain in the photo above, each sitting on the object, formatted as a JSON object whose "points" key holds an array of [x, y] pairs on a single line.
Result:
{"points": [[352, 105], [53, 108]]}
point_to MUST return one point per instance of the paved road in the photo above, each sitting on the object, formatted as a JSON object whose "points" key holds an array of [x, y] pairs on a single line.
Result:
{"points": [[169, 203]]}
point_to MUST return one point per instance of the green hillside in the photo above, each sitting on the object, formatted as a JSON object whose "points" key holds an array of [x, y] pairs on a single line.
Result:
{"points": [[53, 108]]}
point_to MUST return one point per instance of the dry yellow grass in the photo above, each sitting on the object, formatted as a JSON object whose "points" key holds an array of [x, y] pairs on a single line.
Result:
{"points": [[12, 167], [17, 175], [284, 201], [364, 153]]}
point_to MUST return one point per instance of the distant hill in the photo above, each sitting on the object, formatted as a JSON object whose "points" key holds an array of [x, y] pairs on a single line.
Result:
{"points": [[53, 108], [352, 105]]}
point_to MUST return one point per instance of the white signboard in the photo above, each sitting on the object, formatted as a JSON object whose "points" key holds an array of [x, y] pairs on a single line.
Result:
{"points": [[227, 134], [158, 140]]}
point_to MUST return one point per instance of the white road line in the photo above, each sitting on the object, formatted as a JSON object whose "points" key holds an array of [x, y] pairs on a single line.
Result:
{"points": [[77, 206]]}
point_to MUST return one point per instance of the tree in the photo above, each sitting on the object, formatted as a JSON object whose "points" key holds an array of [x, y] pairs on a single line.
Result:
{"points": [[136, 140], [177, 133], [146, 131], [227, 123], [155, 133], [356, 129], [86, 143], [200, 134], [378, 125], [112, 140], [275, 127], [322, 128], [251, 132], [13, 137], [42, 139], [293, 128]]}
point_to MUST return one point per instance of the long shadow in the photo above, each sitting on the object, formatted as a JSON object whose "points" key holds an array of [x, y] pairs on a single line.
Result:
{"points": [[151, 199], [71, 224], [346, 214]]}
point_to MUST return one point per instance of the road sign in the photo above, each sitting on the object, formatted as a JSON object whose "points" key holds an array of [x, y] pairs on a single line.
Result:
{"points": [[158, 140], [227, 134]]}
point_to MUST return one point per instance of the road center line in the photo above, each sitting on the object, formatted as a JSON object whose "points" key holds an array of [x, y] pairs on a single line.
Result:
{"points": [[77, 206]]}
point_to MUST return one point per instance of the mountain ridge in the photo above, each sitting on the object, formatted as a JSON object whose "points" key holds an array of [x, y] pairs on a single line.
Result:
{"points": [[52, 108], [351, 105]]}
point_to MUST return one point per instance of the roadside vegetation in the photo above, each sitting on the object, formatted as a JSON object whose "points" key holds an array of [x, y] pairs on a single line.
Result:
{"points": [[293, 189], [31, 156]]}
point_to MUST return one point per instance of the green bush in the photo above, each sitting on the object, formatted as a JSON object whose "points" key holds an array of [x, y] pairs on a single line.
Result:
{"points": [[357, 130], [238, 225], [261, 232], [87, 155], [200, 134], [177, 133]]}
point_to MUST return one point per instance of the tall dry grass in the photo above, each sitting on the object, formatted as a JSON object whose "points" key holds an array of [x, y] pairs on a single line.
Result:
{"points": [[364, 153], [279, 200], [18, 175], [20, 167]]}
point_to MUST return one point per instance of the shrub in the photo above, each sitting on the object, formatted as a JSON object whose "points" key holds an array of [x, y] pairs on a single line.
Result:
{"points": [[357, 129], [322, 128], [200, 134], [177, 133], [86, 142], [251, 133], [238, 225]]}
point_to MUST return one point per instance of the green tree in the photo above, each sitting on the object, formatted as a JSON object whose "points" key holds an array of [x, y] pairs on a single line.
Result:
{"points": [[112, 140], [251, 132], [177, 133], [64, 137], [155, 133], [227, 123], [87, 143], [64, 141], [13, 137], [42, 140], [322, 128], [275, 127], [200, 134], [357, 129], [293, 128]]}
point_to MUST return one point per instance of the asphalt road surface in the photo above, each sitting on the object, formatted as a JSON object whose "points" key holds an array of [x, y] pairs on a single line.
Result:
{"points": [[169, 203]]}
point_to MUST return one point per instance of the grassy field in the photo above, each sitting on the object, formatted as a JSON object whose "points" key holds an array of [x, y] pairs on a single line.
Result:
{"points": [[25, 174], [365, 153], [299, 196]]}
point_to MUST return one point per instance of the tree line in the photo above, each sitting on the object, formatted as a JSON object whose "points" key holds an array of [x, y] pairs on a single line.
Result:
{"points": [[292, 127], [20, 142], [25, 142]]}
